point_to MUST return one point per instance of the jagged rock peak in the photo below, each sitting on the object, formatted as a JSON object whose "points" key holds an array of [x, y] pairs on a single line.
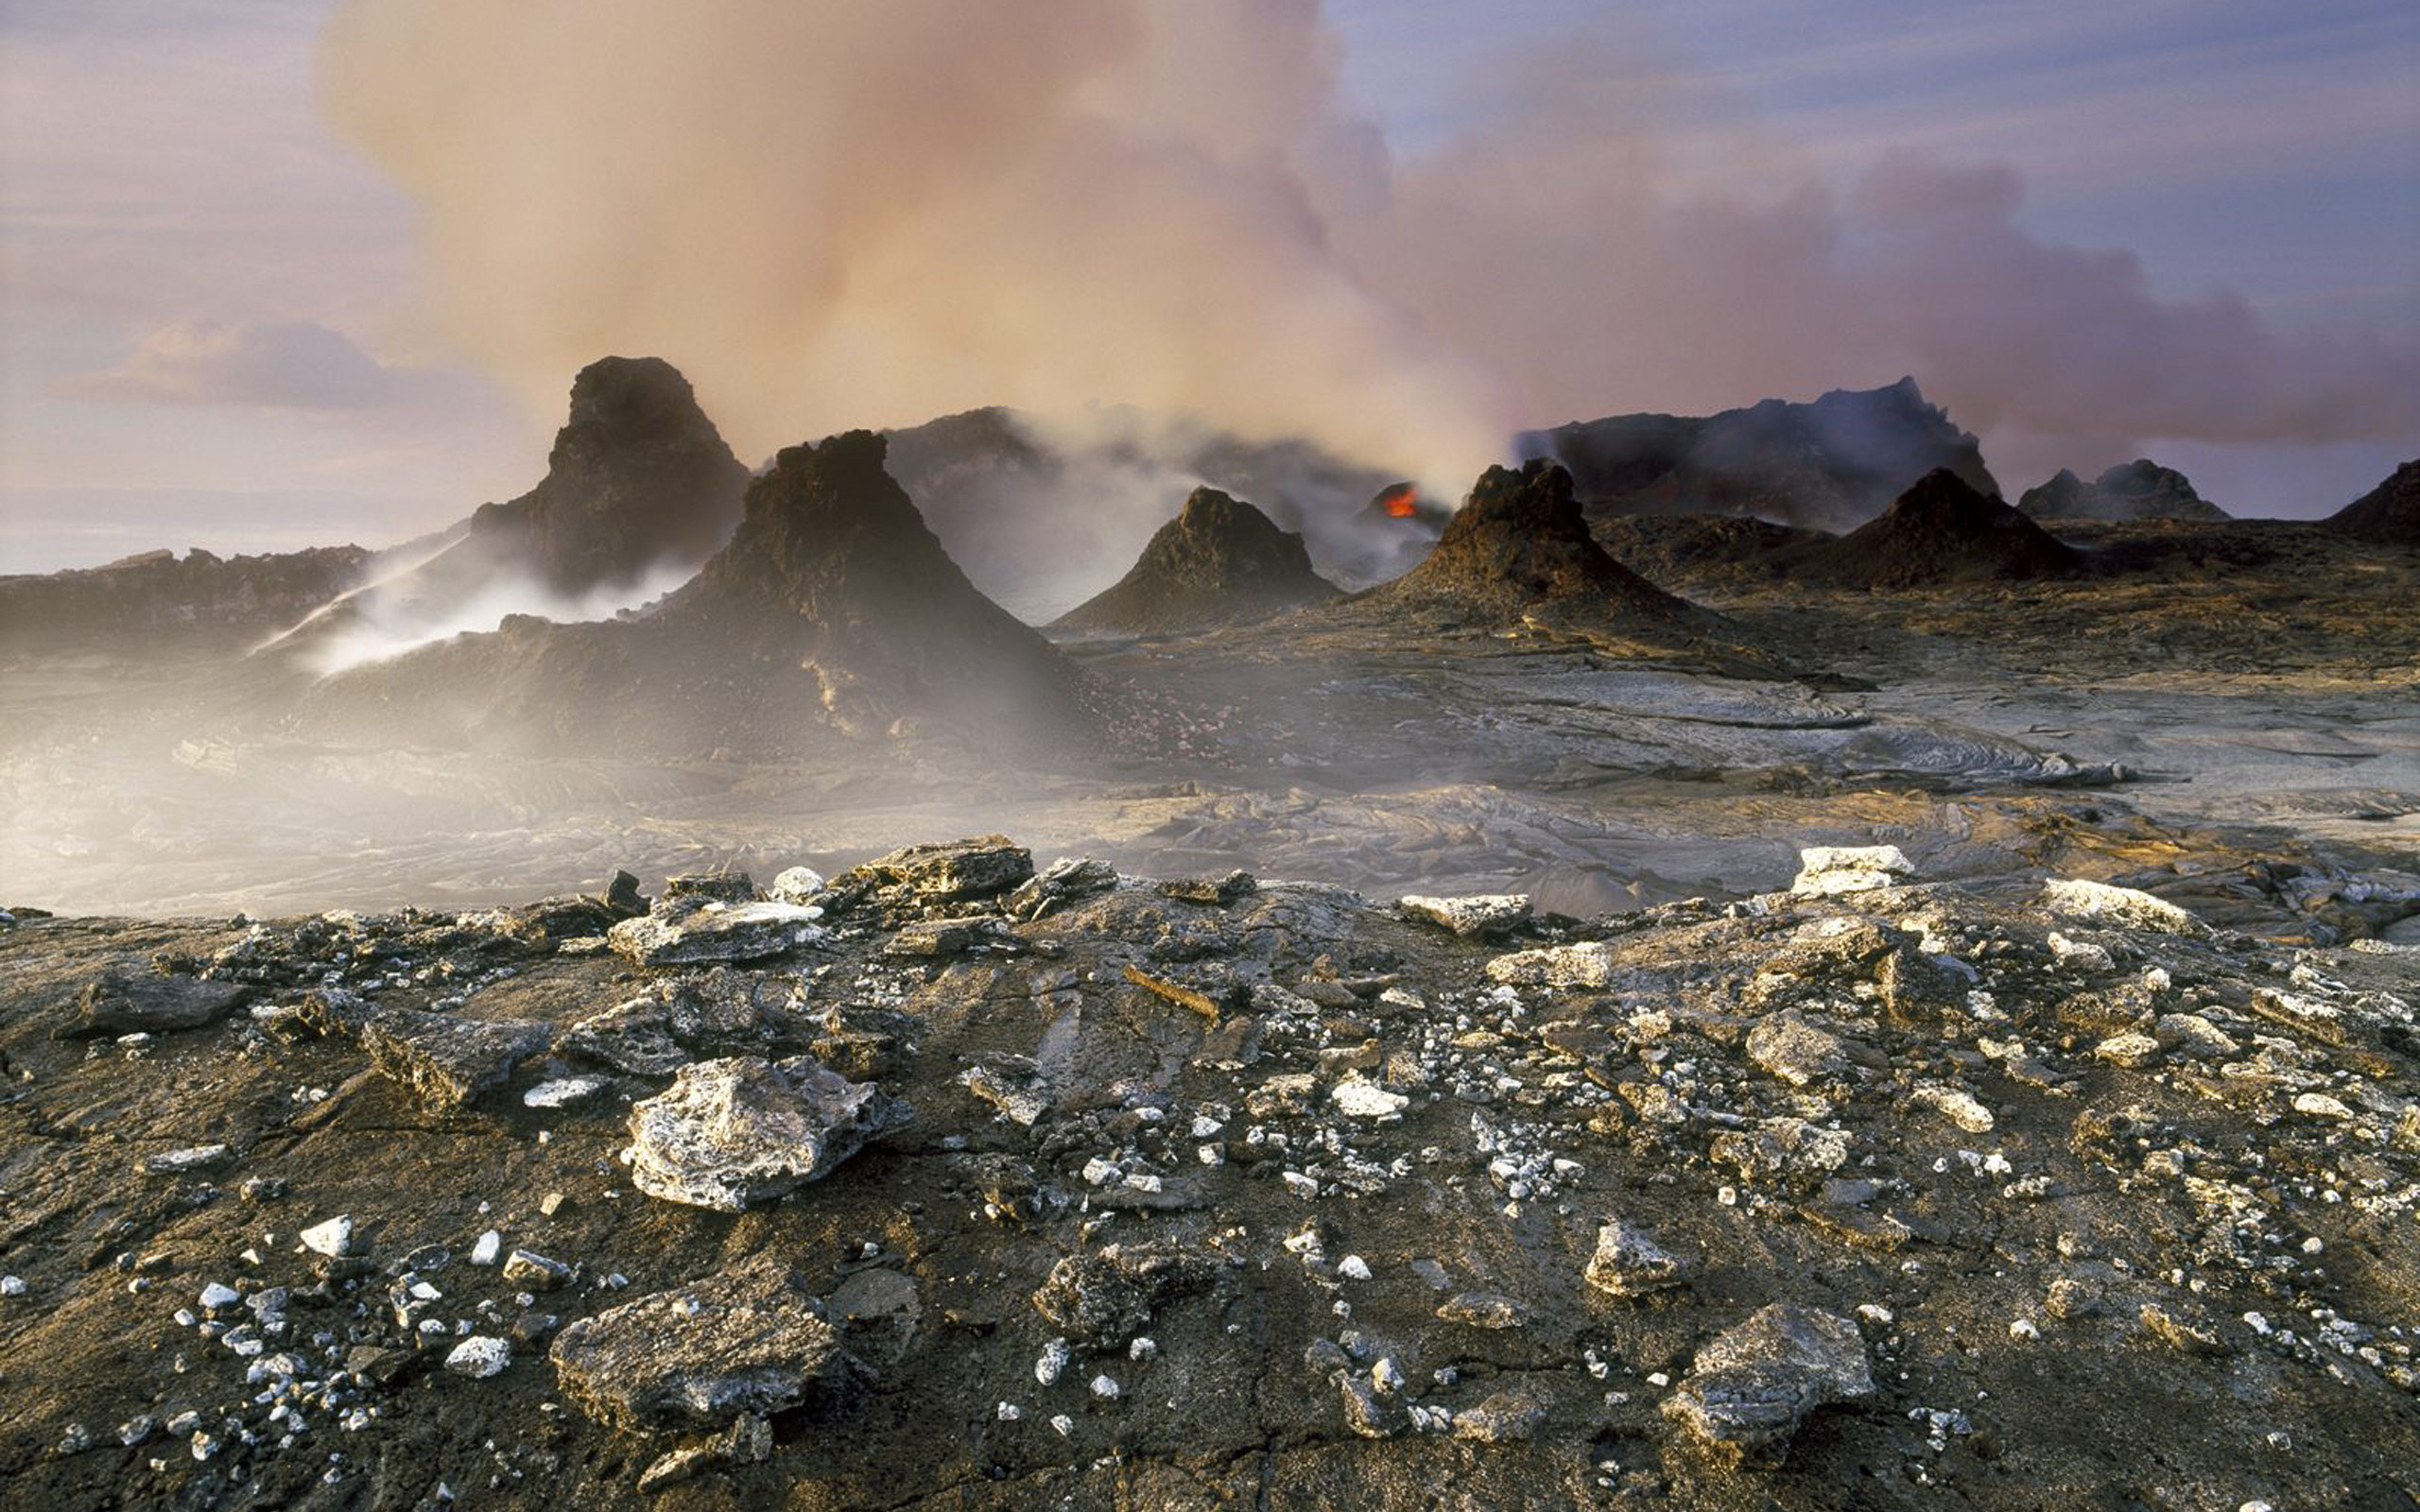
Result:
{"points": [[1833, 462], [827, 516], [2140, 490], [638, 477], [1943, 530], [1520, 540], [1220, 561], [618, 402], [2388, 514]]}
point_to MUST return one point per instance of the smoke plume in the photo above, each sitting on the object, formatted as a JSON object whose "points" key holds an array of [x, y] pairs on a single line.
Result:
{"points": [[849, 213]]}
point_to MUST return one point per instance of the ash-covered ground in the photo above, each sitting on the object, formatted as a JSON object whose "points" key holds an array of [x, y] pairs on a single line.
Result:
{"points": [[946, 1185], [1641, 1009]]}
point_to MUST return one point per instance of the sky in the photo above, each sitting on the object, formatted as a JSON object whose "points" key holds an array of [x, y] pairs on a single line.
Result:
{"points": [[217, 327]]}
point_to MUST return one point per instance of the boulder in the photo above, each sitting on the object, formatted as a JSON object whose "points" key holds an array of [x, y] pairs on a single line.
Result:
{"points": [[1478, 916], [136, 1002], [1828, 869], [446, 1059], [733, 1132], [2121, 907], [1587, 963], [746, 1341], [688, 931], [1629, 1263], [929, 876], [1753, 1386]]}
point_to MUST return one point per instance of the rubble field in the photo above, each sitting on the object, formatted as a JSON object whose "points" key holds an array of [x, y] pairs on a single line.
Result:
{"points": [[951, 1181]]}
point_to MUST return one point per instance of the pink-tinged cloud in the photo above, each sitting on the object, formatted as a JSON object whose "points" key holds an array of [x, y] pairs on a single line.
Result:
{"points": [[254, 365], [844, 213]]}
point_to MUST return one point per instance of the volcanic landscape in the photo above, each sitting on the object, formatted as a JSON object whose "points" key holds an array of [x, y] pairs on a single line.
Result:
{"points": [[1728, 965]]}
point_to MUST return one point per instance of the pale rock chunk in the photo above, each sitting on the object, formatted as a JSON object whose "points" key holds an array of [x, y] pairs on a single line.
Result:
{"points": [[2120, 907], [1361, 1099], [1587, 963], [479, 1357], [733, 1132], [1957, 1104], [332, 1238], [1828, 870], [1477, 916]]}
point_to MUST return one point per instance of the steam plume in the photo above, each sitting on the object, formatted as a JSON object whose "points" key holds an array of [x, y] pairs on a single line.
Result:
{"points": [[849, 212]]}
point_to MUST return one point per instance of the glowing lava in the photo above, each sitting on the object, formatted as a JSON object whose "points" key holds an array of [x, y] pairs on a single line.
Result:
{"points": [[1401, 502]]}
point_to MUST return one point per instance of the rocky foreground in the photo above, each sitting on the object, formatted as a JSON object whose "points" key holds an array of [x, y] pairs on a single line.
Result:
{"points": [[948, 1184]]}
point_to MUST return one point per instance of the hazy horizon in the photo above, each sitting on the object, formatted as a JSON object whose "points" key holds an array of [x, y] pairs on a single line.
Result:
{"points": [[235, 314]]}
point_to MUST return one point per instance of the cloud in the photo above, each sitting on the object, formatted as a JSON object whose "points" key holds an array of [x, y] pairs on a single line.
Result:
{"points": [[847, 212], [257, 365]]}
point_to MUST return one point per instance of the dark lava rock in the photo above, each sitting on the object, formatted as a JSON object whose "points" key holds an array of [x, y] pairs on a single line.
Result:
{"points": [[1940, 532], [918, 878], [1518, 543], [448, 1061], [2387, 515], [1832, 464], [744, 1342], [734, 1132], [199, 599], [833, 571], [1755, 1384], [2140, 490], [1220, 561], [1102, 1300], [138, 1003], [638, 480], [638, 476]]}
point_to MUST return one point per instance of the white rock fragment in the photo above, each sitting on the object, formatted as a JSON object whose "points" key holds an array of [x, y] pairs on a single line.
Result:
{"points": [[1361, 1099], [218, 1294], [734, 1132], [2122, 906], [1009, 1412], [1352, 1268], [1826, 870], [1475, 916], [797, 885], [1958, 1106], [2080, 955], [332, 1238], [1053, 1362], [2319, 1104], [488, 1249], [193, 1158], [1106, 1389], [479, 1357], [12, 1286], [563, 1091]]}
